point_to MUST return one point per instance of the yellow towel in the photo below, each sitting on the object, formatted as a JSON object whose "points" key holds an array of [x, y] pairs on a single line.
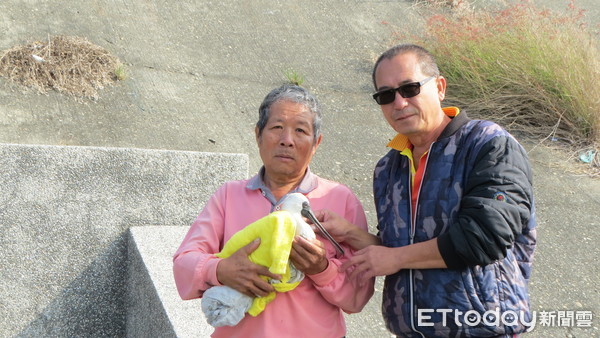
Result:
{"points": [[276, 232]]}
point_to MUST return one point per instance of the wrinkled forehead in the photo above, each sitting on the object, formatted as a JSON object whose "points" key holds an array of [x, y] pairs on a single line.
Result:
{"points": [[285, 108], [402, 68]]}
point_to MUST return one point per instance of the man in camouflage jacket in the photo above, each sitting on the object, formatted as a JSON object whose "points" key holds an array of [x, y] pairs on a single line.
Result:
{"points": [[455, 212]]}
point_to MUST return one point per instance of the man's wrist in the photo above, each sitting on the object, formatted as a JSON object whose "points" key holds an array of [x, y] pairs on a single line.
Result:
{"points": [[212, 269], [325, 265], [358, 238], [326, 276]]}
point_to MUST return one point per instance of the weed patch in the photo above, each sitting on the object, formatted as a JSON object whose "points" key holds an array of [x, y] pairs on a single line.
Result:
{"points": [[70, 65]]}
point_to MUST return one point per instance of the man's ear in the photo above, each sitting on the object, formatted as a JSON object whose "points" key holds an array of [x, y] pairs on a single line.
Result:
{"points": [[317, 142], [441, 86], [256, 133]]}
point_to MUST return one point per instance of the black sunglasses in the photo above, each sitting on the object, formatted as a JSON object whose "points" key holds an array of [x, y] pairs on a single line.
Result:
{"points": [[407, 90]]}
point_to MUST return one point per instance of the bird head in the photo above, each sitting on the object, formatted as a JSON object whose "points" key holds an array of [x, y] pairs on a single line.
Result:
{"points": [[294, 203]]}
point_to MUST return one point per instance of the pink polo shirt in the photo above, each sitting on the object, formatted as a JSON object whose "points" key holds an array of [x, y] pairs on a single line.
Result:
{"points": [[314, 308]]}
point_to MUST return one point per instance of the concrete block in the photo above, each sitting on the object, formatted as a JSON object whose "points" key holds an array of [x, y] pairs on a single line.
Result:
{"points": [[154, 307], [64, 215]]}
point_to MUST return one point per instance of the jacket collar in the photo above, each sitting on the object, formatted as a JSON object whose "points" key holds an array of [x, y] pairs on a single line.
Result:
{"points": [[401, 142]]}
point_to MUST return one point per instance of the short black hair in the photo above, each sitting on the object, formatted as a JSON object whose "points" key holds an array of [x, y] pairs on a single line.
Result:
{"points": [[425, 58]]}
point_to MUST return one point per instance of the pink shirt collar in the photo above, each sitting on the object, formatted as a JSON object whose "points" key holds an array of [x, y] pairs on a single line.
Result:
{"points": [[308, 184]]}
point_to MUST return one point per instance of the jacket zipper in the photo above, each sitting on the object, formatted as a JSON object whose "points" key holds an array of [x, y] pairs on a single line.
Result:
{"points": [[412, 239]]}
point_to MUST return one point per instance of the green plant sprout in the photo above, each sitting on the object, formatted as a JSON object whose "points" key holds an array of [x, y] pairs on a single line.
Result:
{"points": [[294, 77], [120, 73]]}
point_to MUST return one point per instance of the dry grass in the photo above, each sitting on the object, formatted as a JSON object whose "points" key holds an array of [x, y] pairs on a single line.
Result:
{"points": [[568, 161], [532, 70], [70, 65]]}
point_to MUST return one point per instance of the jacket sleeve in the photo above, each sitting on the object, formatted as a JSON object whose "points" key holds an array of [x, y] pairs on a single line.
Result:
{"points": [[496, 205], [194, 263], [336, 287]]}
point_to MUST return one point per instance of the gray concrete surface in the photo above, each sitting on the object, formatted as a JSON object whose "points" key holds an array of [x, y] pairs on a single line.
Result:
{"points": [[64, 213], [198, 71], [146, 316], [164, 315], [566, 269]]}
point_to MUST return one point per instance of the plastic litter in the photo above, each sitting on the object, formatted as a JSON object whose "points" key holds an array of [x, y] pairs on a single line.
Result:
{"points": [[587, 156], [37, 58]]}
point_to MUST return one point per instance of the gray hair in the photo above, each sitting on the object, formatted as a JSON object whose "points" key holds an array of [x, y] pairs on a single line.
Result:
{"points": [[293, 93], [424, 57]]}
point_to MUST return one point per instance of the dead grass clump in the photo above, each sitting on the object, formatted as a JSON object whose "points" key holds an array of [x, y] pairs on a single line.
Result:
{"points": [[533, 70], [68, 64], [504, 65]]}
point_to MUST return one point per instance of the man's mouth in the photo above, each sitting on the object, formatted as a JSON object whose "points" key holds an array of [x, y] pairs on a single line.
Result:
{"points": [[403, 117], [284, 156]]}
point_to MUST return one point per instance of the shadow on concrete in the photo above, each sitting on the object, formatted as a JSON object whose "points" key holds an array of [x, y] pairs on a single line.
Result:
{"points": [[146, 316], [92, 305]]}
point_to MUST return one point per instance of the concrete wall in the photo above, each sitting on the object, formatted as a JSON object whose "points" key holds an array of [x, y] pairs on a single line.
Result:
{"points": [[154, 308], [64, 219]]}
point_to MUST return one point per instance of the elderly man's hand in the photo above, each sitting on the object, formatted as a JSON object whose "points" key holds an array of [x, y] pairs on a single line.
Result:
{"points": [[308, 256], [239, 273]]}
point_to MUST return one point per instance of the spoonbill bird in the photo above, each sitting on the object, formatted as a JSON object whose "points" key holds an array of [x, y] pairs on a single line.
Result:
{"points": [[223, 305]]}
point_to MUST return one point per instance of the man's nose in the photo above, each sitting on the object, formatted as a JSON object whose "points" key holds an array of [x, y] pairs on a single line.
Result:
{"points": [[399, 101], [286, 138]]}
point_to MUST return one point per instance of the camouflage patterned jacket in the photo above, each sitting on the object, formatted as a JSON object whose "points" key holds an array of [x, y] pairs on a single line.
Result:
{"points": [[476, 197]]}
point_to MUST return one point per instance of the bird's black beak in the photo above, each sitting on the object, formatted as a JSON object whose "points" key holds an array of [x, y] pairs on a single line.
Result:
{"points": [[307, 212]]}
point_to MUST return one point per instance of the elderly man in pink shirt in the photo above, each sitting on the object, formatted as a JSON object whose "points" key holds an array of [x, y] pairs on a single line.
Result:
{"points": [[288, 135]]}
